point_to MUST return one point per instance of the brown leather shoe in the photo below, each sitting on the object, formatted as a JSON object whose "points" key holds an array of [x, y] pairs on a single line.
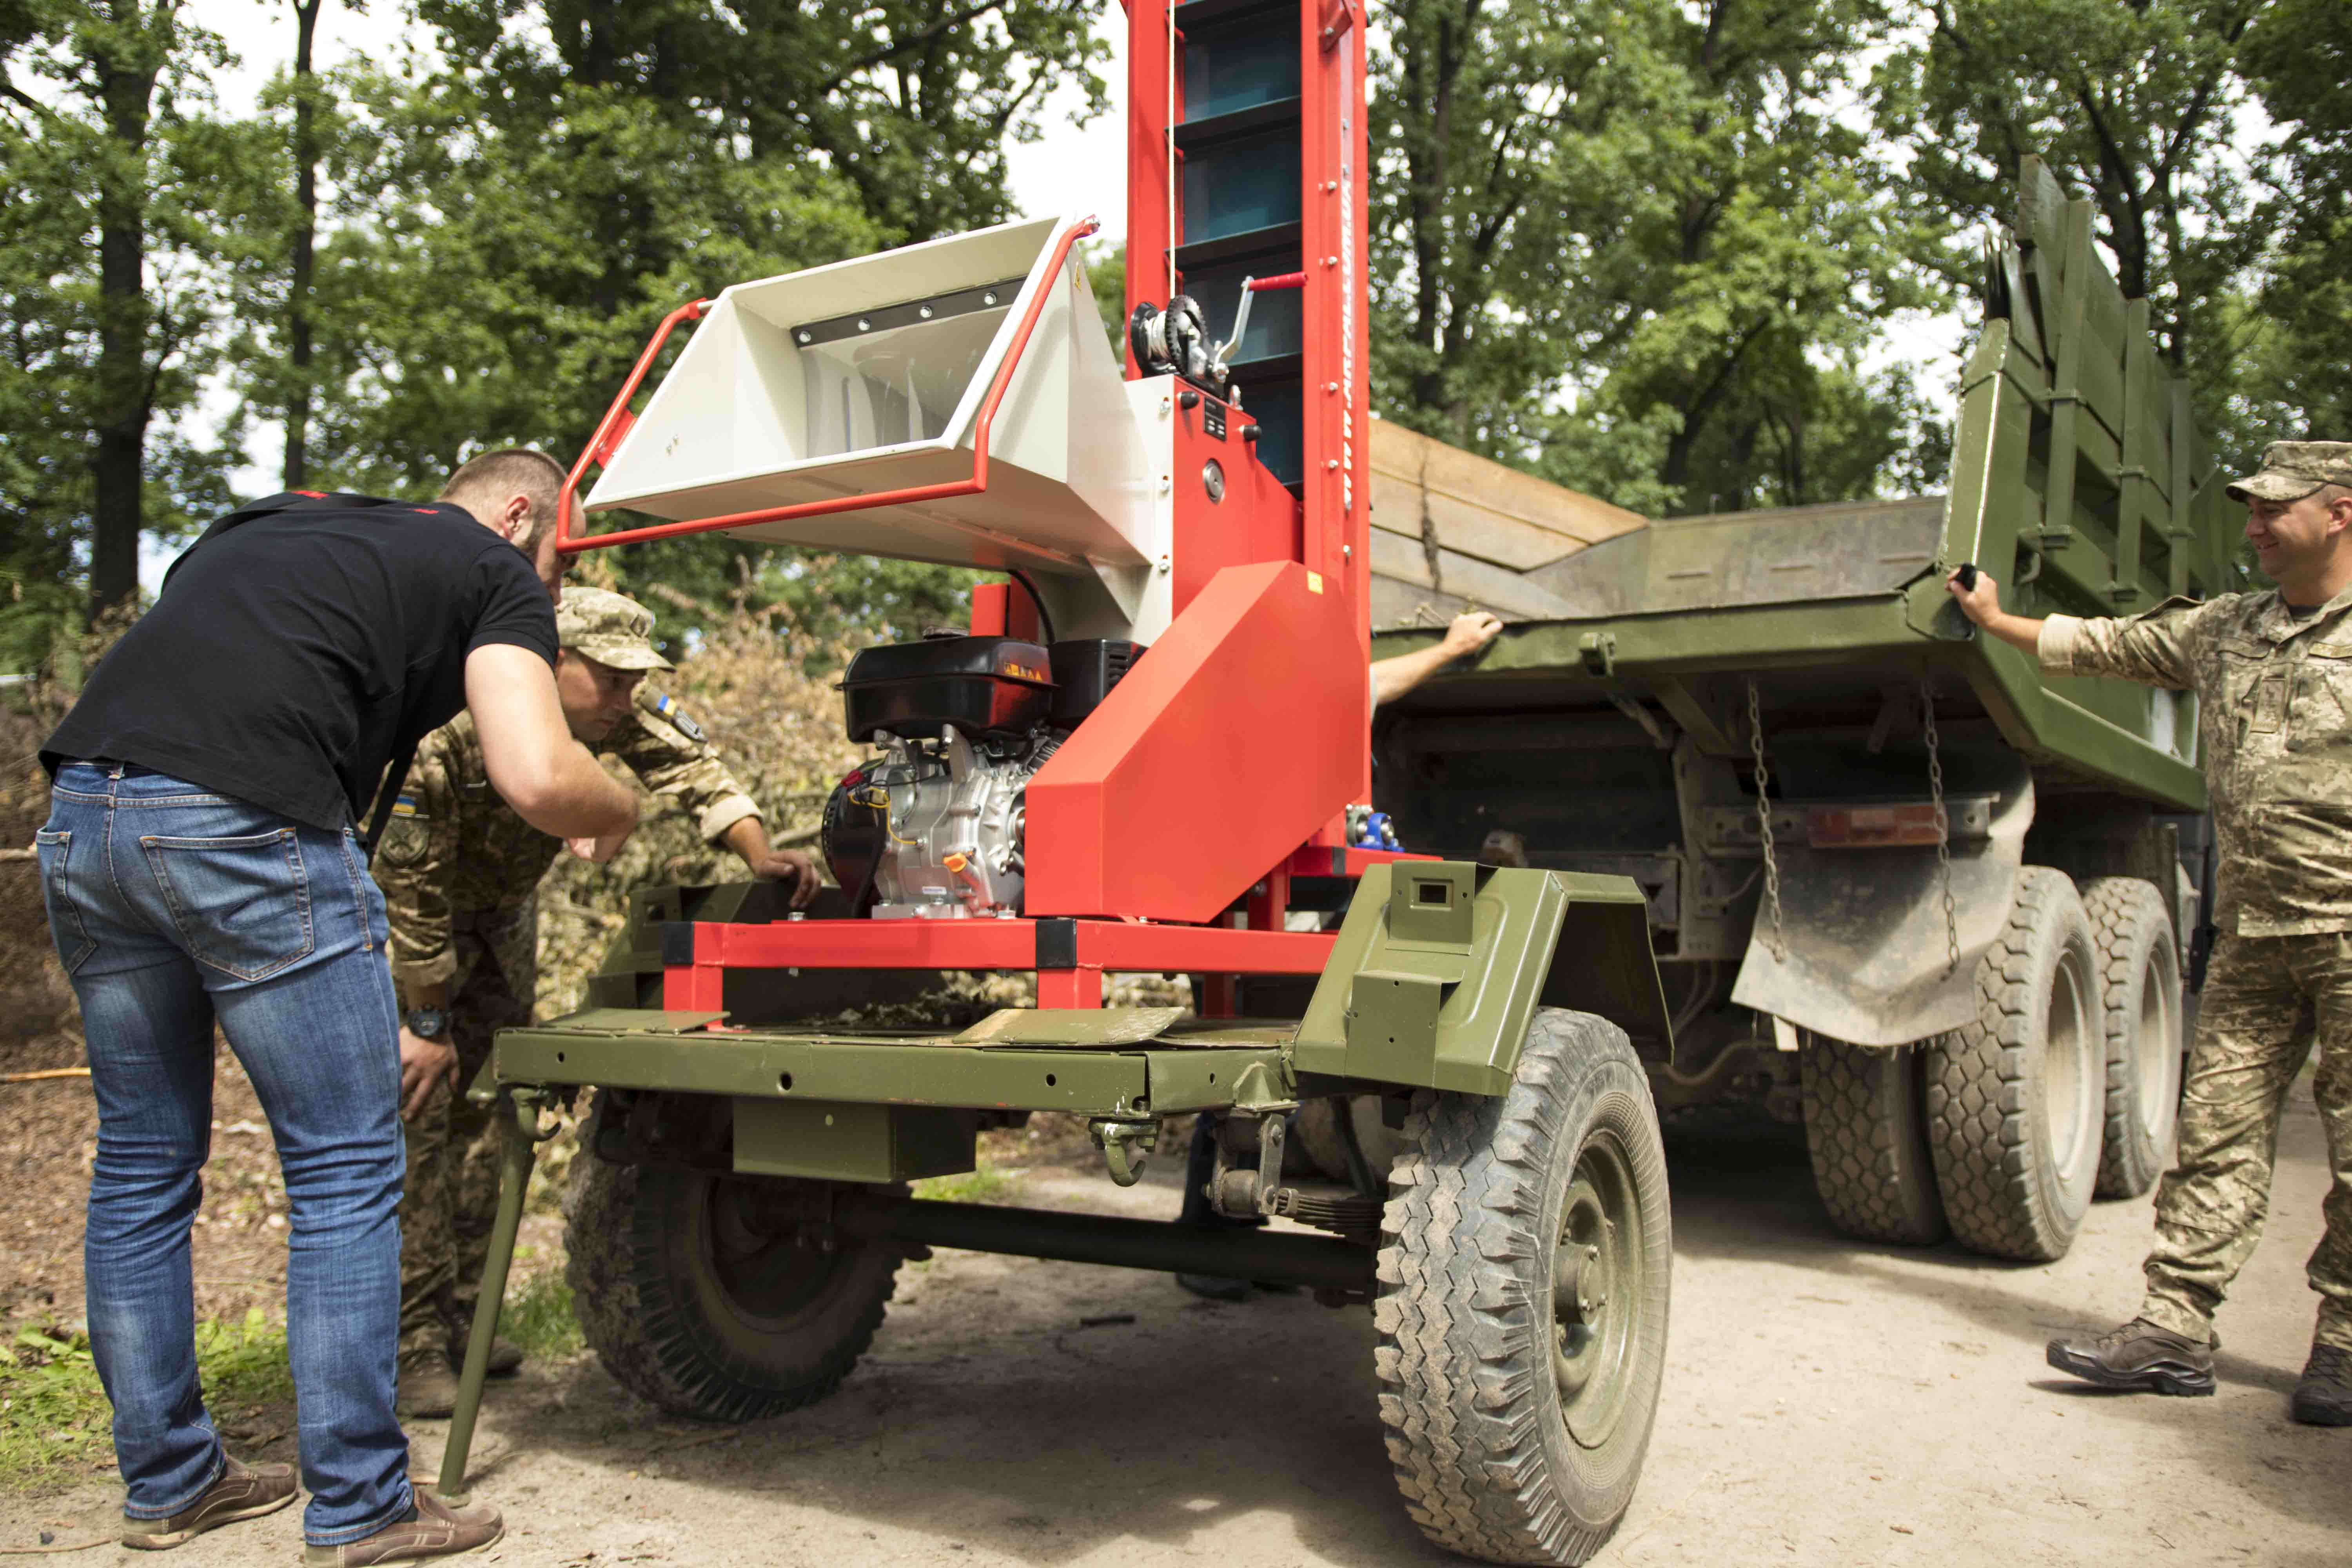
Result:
{"points": [[432, 1529], [427, 1389], [243, 1492], [2139, 1357], [2323, 1395]]}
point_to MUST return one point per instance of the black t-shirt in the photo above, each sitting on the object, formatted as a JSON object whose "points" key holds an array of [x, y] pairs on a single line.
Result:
{"points": [[303, 643]]}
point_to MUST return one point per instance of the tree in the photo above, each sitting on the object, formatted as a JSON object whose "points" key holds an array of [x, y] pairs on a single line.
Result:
{"points": [[113, 315], [1632, 246], [2300, 334], [304, 261], [519, 219], [2133, 106]]}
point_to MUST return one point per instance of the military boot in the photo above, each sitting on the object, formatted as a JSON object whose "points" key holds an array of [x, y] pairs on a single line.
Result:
{"points": [[427, 1388], [2140, 1357], [2323, 1395]]}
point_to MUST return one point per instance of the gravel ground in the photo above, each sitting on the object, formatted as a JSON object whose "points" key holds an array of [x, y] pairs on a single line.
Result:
{"points": [[1825, 1403]]}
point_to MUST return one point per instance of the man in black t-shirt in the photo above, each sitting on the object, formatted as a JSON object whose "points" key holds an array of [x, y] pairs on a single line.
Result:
{"points": [[204, 861]]}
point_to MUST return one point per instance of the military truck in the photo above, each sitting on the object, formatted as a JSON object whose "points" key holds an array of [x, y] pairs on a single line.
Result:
{"points": [[1898, 883]]}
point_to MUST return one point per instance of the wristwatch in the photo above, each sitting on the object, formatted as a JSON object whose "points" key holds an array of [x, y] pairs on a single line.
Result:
{"points": [[426, 1023]]}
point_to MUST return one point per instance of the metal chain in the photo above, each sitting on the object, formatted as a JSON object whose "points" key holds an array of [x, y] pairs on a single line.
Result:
{"points": [[1943, 824], [1764, 822]]}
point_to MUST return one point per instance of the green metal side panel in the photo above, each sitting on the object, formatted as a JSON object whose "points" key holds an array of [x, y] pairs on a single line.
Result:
{"points": [[619, 1049], [2078, 479], [1440, 966], [843, 1142], [2033, 716], [826, 1068]]}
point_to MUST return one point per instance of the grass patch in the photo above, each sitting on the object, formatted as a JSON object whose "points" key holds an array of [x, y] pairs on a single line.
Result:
{"points": [[977, 1186], [54, 1414], [538, 1316]]}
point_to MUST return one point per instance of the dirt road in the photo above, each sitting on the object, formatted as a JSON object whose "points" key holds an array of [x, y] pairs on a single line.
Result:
{"points": [[1825, 1403]]}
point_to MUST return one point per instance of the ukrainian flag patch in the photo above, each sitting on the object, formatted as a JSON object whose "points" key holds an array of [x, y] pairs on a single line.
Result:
{"points": [[403, 804], [668, 709]]}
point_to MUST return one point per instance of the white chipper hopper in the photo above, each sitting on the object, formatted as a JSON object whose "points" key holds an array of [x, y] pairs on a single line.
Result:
{"points": [[870, 378]]}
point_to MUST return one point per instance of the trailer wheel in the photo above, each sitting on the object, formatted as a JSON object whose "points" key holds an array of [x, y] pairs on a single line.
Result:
{"points": [[2139, 987], [1866, 1126], [1523, 1271], [690, 1303], [2015, 1098]]}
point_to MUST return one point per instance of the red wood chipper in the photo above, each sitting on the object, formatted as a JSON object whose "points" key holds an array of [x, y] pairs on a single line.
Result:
{"points": [[1145, 755]]}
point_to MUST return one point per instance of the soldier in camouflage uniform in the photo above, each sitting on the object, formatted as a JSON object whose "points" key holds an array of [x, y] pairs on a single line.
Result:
{"points": [[460, 872], [2272, 673]]}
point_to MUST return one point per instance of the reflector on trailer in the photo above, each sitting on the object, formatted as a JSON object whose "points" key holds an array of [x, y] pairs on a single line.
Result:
{"points": [[871, 376]]}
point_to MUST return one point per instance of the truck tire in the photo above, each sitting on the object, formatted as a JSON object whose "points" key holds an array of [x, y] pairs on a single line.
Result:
{"points": [[2015, 1098], [1866, 1126], [2139, 987], [690, 1306], [1527, 1252]]}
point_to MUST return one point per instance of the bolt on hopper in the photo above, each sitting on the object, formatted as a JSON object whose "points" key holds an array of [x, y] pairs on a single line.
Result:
{"points": [[955, 401]]}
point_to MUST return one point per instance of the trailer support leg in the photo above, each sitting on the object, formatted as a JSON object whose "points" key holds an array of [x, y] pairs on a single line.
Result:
{"points": [[520, 1137]]}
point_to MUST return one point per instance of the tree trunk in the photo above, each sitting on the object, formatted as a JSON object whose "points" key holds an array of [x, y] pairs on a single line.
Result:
{"points": [[306, 230], [125, 58]]}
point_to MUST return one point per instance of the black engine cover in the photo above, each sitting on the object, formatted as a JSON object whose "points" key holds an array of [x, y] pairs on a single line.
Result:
{"points": [[978, 685]]}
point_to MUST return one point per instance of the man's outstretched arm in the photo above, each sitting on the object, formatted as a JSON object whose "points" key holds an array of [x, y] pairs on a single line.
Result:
{"points": [[1472, 630], [536, 766]]}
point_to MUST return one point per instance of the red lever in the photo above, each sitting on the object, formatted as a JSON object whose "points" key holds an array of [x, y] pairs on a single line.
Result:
{"points": [[1280, 280]]}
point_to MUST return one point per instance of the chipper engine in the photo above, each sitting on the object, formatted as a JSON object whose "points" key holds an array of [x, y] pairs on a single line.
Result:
{"points": [[1142, 755]]}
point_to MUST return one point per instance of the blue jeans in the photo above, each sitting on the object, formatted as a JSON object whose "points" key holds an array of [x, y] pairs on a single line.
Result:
{"points": [[172, 907]]}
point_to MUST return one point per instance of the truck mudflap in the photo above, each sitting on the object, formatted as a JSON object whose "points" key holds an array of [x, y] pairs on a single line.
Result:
{"points": [[1867, 951], [1441, 965]]}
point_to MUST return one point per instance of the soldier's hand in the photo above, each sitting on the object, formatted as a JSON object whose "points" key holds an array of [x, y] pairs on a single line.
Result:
{"points": [[1980, 604], [424, 1065], [598, 850], [797, 866], [1471, 630]]}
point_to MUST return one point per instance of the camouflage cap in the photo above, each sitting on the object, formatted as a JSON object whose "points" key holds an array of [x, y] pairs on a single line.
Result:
{"points": [[599, 624], [2292, 470]]}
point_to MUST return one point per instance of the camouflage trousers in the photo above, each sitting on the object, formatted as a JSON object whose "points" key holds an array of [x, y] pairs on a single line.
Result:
{"points": [[451, 1198], [2265, 1001]]}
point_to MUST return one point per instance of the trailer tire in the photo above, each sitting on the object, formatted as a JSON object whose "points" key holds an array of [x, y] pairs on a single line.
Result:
{"points": [[1866, 1127], [659, 1288], [2140, 982], [1526, 1258], [2015, 1100]]}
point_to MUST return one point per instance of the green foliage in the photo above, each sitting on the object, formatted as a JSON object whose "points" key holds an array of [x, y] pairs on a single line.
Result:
{"points": [[2298, 340], [2134, 106], [538, 1318], [1634, 247], [513, 225], [984, 1184], [54, 1413], [110, 296]]}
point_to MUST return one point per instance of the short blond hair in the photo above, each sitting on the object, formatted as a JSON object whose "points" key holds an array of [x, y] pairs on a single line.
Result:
{"points": [[482, 485]]}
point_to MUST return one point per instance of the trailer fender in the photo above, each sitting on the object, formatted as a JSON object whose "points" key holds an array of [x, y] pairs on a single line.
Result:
{"points": [[1442, 964]]}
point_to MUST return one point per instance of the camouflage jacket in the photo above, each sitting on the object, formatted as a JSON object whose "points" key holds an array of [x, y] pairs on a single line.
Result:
{"points": [[2274, 711], [456, 855]]}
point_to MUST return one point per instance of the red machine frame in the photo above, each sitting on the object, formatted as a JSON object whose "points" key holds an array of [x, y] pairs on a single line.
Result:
{"points": [[1323, 530]]}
